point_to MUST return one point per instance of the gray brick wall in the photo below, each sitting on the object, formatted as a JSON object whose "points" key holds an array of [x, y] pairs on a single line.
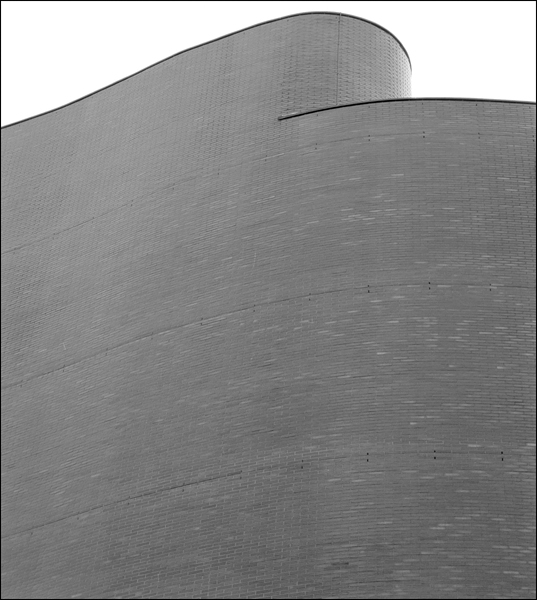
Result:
{"points": [[250, 357]]}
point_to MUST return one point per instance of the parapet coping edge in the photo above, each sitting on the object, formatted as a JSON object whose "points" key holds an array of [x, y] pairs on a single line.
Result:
{"points": [[340, 14], [441, 99]]}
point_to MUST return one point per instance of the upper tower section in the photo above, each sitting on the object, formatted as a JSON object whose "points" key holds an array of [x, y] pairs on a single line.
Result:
{"points": [[339, 59], [303, 62], [192, 114], [292, 64], [313, 60], [372, 63]]}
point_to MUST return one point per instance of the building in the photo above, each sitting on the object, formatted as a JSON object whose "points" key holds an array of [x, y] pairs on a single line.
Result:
{"points": [[267, 330]]}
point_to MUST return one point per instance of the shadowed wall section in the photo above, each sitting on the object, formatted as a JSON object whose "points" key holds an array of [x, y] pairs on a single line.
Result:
{"points": [[252, 357]]}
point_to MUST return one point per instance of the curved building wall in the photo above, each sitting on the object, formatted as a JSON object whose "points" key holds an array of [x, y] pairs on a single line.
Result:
{"points": [[245, 356]]}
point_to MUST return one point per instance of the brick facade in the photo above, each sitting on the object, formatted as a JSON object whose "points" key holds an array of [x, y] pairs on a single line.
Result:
{"points": [[255, 348]]}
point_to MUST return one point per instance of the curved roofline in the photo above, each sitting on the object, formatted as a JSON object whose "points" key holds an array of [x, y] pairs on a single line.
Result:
{"points": [[204, 44], [315, 110]]}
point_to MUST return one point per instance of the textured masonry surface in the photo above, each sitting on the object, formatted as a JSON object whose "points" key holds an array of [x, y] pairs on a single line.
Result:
{"points": [[261, 358]]}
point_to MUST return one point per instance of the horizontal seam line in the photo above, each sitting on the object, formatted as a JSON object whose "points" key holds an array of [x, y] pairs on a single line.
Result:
{"points": [[103, 214], [157, 332], [367, 102], [361, 455], [149, 493]]}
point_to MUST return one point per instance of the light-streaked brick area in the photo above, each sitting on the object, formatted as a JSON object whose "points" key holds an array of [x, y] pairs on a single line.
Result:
{"points": [[253, 357]]}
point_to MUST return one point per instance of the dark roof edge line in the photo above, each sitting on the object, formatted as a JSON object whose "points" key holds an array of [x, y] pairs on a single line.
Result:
{"points": [[315, 110], [204, 44]]}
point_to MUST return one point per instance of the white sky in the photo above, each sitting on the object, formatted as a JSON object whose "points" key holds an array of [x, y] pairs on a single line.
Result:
{"points": [[56, 52]]}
